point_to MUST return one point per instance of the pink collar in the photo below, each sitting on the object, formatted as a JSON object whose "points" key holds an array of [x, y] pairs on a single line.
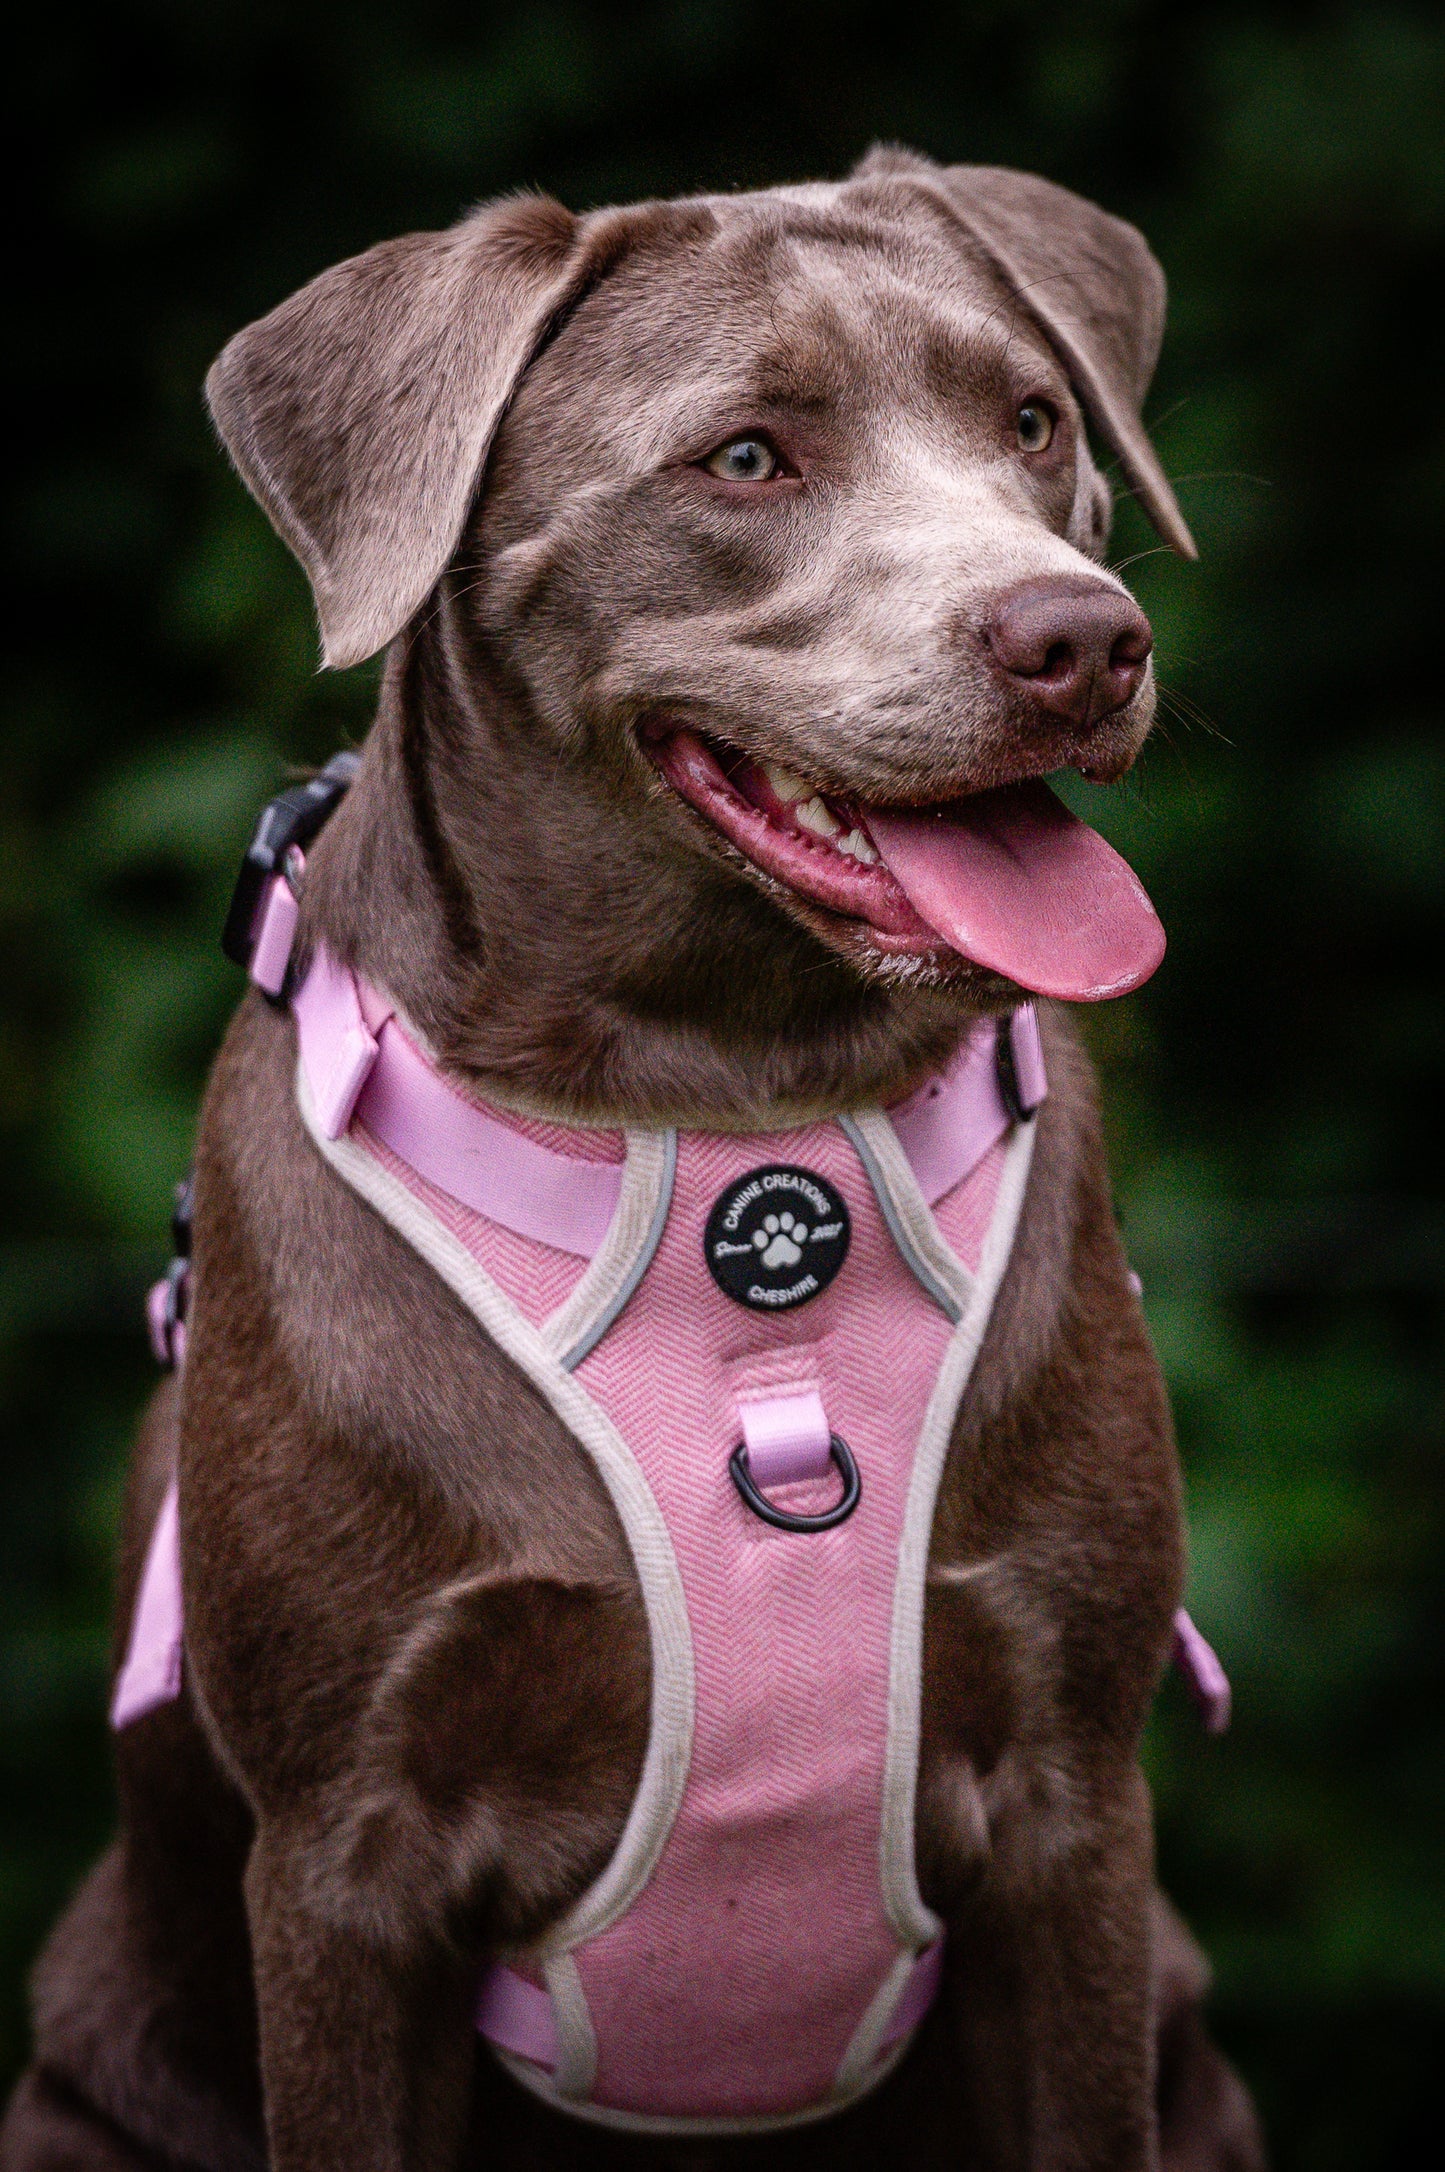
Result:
{"points": [[360, 1063]]}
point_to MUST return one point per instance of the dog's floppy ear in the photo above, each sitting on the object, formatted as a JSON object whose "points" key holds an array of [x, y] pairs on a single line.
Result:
{"points": [[1090, 283], [359, 412]]}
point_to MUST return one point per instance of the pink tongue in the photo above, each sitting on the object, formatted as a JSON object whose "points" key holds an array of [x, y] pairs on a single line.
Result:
{"points": [[1015, 882]]}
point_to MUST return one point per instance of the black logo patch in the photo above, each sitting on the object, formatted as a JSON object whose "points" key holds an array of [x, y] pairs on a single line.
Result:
{"points": [[776, 1238]]}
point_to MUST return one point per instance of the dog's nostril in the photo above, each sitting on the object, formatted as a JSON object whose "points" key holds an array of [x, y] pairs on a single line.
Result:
{"points": [[1059, 659], [1131, 650]]}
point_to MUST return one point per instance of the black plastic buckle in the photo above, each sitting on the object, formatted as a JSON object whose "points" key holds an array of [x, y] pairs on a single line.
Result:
{"points": [[174, 1290], [843, 1463], [294, 817], [1007, 1070], [175, 1285], [181, 1213]]}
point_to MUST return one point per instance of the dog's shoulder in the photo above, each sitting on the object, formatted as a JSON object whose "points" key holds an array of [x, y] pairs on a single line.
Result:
{"points": [[308, 1293], [1058, 1537]]}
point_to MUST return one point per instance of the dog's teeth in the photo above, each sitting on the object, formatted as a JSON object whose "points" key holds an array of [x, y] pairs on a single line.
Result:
{"points": [[785, 782], [811, 812], [814, 816]]}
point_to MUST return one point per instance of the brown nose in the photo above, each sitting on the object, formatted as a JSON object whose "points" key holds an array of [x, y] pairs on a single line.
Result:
{"points": [[1078, 646]]}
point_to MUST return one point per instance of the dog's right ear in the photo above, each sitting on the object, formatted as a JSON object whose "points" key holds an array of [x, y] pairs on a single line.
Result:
{"points": [[360, 411], [1089, 281]]}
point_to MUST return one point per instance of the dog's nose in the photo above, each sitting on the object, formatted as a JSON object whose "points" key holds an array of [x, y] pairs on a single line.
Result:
{"points": [[1078, 646]]}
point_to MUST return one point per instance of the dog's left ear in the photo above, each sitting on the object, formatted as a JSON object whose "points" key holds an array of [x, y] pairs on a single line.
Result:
{"points": [[1089, 281], [360, 411]]}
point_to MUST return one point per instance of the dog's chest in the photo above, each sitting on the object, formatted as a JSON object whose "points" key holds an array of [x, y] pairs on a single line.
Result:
{"points": [[761, 1344]]}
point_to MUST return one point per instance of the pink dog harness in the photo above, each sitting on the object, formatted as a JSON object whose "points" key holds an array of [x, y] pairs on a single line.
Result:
{"points": [[761, 1342]]}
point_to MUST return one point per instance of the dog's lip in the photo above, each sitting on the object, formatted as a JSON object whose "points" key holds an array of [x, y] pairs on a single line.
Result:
{"points": [[1004, 876], [709, 776]]}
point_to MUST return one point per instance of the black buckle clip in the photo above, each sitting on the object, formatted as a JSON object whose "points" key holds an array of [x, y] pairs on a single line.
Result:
{"points": [[181, 1214], [843, 1463], [293, 818], [169, 1301]]}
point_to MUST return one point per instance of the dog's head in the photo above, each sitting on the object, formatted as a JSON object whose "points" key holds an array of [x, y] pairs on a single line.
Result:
{"points": [[775, 517]]}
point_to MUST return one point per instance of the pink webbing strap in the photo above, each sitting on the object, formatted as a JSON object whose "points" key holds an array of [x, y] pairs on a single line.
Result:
{"points": [[1204, 1677], [151, 1674], [786, 1435], [918, 1995], [1030, 1076], [167, 1333], [380, 1077], [373, 1071], [517, 2015], [273, 933], [948, 1126], [338, 1048]]}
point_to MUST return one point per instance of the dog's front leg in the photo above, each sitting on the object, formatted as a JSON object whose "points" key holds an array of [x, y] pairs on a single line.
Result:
{"points": [[1053, 1967], [366, 2040]]}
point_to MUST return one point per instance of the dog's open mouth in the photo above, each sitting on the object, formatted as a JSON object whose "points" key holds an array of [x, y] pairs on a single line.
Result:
{"points": [[1008, 878]]}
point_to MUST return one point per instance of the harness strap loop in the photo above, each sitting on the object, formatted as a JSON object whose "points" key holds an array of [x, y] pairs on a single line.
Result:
{"points": [[375, 1072], [338, 1048], [276, 918], [787, 1437]]}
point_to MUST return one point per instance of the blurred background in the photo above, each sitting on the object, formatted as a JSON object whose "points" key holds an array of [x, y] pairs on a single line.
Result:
{"points": [[1274, 1095]]}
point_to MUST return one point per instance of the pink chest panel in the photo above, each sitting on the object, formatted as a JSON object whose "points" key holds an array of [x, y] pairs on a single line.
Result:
{"points": [[736, 1980]]}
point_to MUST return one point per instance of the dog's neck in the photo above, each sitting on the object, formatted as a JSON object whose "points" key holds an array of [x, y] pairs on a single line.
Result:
{"points": [[557, 956]]}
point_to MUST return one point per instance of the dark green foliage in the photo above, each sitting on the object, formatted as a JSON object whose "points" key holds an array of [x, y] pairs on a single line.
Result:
{"points": [[1275, 1094]]}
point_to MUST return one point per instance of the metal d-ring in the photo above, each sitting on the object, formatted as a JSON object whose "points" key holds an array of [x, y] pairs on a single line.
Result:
{"points": [[842, 1458]]}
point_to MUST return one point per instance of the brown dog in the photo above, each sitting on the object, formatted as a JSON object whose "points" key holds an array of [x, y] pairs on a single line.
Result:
{"points": [[800, 479]]}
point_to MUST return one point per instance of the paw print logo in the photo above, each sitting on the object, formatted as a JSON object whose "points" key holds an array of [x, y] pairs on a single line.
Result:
{"points": [[776, 1237], [781, 1240]]}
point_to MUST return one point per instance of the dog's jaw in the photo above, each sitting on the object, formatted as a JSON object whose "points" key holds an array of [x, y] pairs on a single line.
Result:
{"points": [[811, 845]]}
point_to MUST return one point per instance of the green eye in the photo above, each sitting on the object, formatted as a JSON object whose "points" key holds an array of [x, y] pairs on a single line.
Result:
{"points": [[743, 460], [1035, 425]]}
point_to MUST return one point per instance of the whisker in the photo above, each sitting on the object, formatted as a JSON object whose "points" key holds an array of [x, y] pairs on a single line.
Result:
{"points": [[1155, 550], [1206, 475], [1157, 422], [1189, 711], [1224, 475], [1194, 713]]}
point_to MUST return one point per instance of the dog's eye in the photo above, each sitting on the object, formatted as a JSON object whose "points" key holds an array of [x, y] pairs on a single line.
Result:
{"points": [[744, 460], [1035, 426]]}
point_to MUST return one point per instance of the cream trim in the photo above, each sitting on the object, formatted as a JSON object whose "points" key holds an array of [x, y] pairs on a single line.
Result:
{"points": [[576, 2067], [858, 2069], [907, 1213], [915, 1923], [541, 2084], [626, 1252], [669, 1744]]}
